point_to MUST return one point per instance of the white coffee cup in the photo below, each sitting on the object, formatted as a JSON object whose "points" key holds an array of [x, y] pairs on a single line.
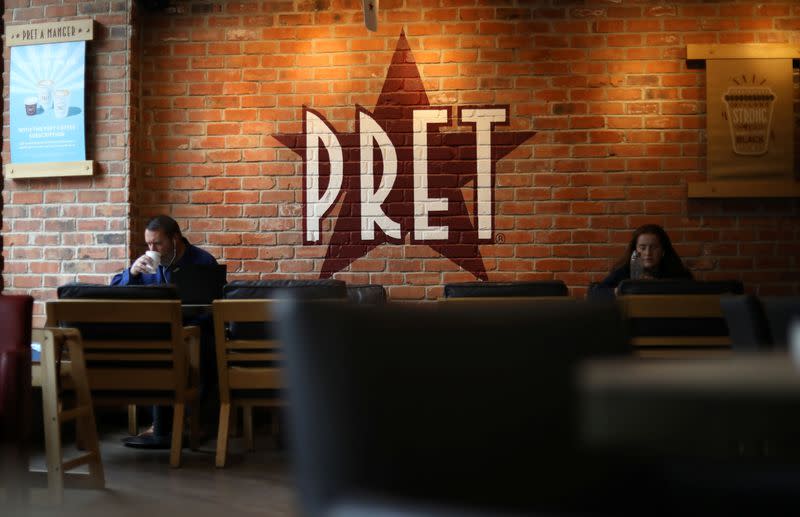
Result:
{"points": [[61, 103], [44, 89], [156, 258]]}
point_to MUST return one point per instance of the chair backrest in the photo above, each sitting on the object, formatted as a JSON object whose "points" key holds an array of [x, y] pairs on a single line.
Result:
{"points": [[746, 322], [247, 367], [80, 291], [600, 292], [674, 325], [118, 360], [466, 402], [533, 302], [277, 289], [686, 322], [680, 286], [373, 294], [271, 289], [505, 289], [780, 311], [16, 316]]}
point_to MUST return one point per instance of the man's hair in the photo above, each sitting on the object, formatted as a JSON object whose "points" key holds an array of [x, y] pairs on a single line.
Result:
{"points": [[166, 224]]}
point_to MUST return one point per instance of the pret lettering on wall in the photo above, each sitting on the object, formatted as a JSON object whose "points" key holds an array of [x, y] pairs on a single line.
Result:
{"points": [[372, 137], [409, 173]]}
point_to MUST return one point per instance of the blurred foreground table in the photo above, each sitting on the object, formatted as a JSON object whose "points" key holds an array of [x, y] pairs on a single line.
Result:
{"points": [[653, 406]]}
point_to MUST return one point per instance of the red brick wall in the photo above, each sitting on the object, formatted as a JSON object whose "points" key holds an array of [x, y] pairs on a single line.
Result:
{"points": [[619, 114], [62, 230]]}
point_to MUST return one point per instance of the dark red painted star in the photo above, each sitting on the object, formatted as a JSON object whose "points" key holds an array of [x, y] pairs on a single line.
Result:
{"points": [[451, 166]]}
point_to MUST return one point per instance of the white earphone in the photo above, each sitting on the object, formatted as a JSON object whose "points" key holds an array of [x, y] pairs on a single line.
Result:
{"points": [[174, 252]]}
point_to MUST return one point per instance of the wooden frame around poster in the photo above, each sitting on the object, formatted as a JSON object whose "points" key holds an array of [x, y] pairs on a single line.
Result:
{"points": [[750, 125], [41, 33]]}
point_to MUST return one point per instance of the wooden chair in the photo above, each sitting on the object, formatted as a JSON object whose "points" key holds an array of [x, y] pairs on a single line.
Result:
{"points": [[50, 373], [676, 325], [248, 366], [138, 352], [84, 291]]}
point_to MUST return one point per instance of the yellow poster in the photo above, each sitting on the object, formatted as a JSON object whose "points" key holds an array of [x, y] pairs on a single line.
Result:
{"points": [[750, 124]]}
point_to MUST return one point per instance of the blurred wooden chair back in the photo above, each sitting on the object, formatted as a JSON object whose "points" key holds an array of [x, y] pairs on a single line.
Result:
{"points": [[470, 403]]}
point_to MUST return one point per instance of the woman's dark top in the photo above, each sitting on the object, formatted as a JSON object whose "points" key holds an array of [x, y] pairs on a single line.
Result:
{"points": [[624, 273]]}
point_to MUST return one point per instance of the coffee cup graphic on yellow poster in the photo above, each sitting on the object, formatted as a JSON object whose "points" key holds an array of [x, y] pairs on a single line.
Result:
{"points": [[749, 114]]}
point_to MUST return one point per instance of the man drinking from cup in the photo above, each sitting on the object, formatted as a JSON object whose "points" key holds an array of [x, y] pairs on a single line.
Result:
{"points": [[167, 251]]}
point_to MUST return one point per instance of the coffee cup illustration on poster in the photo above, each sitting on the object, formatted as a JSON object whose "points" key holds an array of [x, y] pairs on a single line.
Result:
{"points": [[47, 102]]}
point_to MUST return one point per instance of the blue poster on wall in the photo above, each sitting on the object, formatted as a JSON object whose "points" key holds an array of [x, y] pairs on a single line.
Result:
{"points": [[47, 102]]}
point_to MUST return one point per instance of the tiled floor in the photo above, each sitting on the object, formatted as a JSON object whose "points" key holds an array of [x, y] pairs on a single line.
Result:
{"points": [[140, 483]]}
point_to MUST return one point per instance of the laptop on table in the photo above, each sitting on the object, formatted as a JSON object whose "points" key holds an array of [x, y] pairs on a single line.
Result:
{"points": [[199, 284]]}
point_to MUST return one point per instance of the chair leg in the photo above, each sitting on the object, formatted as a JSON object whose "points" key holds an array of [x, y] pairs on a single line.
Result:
{"points": [[234, 423], [194, 426], [52, 425], [247, 423], [274, 419], [133, 421], [177, 434], [222, 433], [275, 415], [87, 426], [88, 430]]}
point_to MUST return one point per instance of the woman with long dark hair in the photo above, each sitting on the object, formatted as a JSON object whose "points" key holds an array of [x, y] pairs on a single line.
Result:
{"points": [[659, 259]]}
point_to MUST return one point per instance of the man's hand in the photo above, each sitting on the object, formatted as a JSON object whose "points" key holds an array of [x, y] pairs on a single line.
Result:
{"points": [[143, 264]]}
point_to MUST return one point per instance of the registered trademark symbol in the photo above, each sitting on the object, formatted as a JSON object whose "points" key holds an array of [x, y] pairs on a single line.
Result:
{"points": [[499, 238]]}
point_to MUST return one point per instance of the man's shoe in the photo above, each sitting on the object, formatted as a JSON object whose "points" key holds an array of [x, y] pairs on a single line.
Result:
{"points": [[148, 441]]}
